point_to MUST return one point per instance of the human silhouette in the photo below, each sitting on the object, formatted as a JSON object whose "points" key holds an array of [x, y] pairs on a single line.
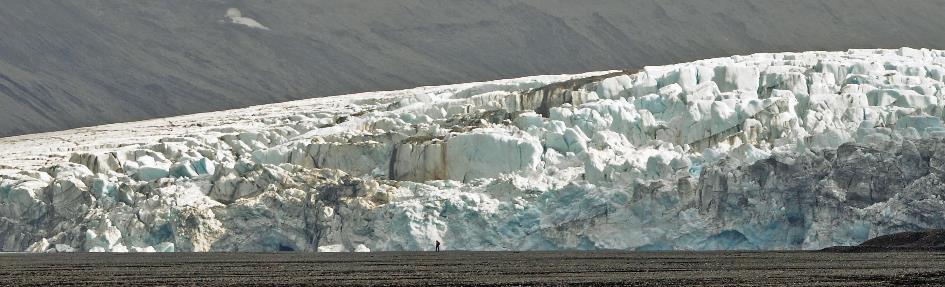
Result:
{"points": [[438, 246]]}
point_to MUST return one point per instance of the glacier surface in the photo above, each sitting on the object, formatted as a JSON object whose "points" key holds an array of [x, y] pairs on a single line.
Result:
{"points": [[765, 151]]}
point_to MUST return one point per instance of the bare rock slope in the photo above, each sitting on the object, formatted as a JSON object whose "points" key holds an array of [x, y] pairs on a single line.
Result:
{"points": [[65, 64]]}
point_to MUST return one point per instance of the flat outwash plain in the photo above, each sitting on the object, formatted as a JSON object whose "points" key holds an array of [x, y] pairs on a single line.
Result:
{"points": [[477, 268]]}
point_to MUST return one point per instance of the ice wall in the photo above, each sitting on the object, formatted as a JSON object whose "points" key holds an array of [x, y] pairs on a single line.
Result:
{"points": [[765, 151]]}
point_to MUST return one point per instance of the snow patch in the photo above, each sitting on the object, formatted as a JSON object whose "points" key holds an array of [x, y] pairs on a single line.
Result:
{"points": [[235, 16]]}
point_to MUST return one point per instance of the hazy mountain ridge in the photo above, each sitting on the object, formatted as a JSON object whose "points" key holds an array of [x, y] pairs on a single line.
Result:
{"points": [[81, 63]]}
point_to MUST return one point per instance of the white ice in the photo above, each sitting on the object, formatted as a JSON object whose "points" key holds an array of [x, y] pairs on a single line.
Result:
{"points": [[763, 151]]}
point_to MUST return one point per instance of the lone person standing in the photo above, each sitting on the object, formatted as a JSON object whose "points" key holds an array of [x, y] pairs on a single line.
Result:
{"points": [[437, 246]]}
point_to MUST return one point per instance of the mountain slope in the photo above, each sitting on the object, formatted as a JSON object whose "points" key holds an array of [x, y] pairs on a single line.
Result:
{"points": [[80, 63]]}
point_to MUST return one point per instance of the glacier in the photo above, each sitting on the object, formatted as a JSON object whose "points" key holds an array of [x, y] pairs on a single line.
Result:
{"points": [[774, 151]]}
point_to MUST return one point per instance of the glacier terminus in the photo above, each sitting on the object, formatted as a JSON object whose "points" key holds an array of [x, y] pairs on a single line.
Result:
{"points": [[783, 151]]}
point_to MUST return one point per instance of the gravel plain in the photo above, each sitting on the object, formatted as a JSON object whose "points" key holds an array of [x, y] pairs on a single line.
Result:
{"points": [[477, 268]]}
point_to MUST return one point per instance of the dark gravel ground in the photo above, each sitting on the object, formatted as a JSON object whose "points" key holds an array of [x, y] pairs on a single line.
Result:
{"points": [[477, 268]]}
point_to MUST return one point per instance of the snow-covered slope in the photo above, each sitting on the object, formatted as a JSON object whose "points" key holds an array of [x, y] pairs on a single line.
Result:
{"points": [[767, 151]]}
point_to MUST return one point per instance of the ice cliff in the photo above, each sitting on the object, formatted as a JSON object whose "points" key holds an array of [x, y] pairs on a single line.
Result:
{"points": [[765, 151]]}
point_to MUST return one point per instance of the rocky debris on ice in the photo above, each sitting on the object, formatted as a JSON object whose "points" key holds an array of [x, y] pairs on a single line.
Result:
{"points": [[765, 151], [910, 241]]}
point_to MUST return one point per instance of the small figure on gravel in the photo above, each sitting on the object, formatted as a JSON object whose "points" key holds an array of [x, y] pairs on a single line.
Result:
{"points": [[437, 246]]}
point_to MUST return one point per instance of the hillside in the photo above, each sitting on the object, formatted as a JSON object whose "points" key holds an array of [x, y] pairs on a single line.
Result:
{"points": [[66, 64]]}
